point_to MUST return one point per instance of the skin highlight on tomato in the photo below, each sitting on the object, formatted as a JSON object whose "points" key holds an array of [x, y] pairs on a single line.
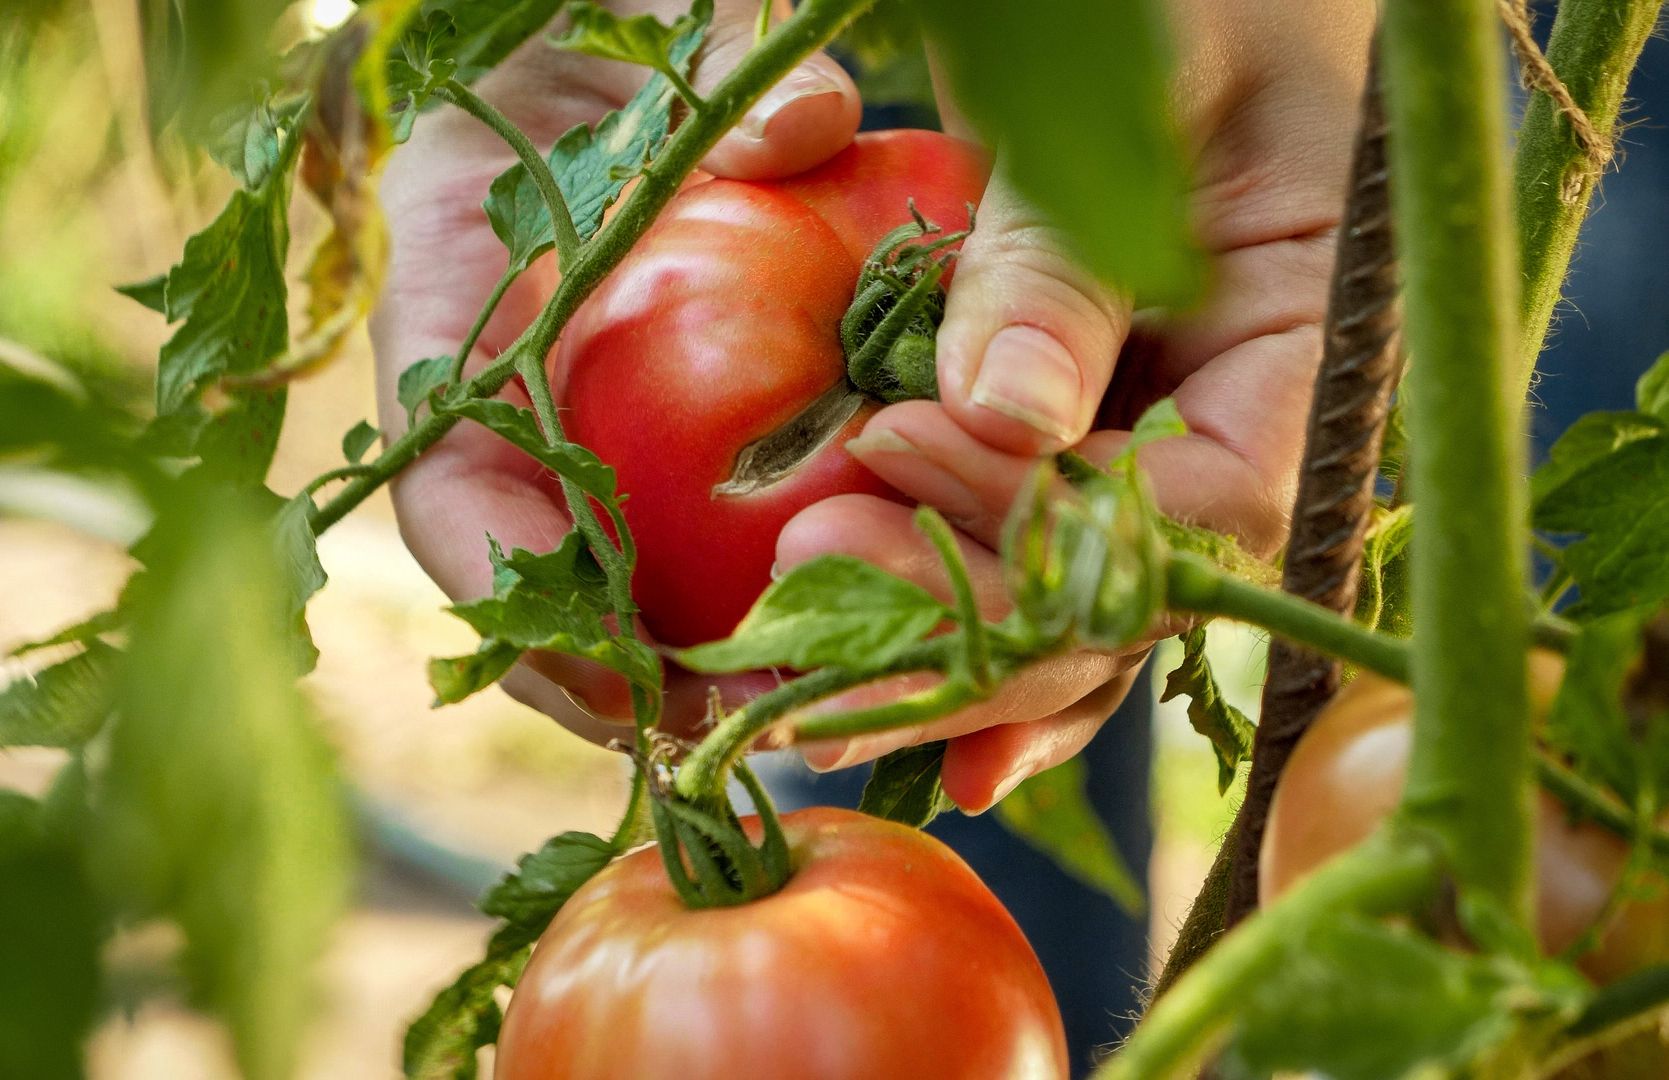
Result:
{"points": [[717, 330], [884, 956], [1347, 774]]}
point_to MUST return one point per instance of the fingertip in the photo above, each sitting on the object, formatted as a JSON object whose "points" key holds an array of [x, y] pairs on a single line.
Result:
{"points": [[805, 119]]}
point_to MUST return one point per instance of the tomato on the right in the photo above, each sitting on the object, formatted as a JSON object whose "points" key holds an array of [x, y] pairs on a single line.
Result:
{"points": [[1347, 773]]}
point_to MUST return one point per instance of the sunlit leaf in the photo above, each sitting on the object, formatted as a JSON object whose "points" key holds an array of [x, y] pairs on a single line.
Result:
{"points": [[1209, 712], [833, 611], [359, 439], [1382, 599], [592, 164], [555, 602]]}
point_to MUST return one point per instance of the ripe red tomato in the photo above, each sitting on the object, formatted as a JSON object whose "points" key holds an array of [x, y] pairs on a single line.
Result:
{"points": [[883, 956], [1347, 774], [720, 327]]}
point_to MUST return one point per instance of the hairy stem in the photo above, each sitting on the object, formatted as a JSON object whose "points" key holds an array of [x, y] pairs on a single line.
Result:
{"points": [[1193, 585], [1384, 874], [467, 346], [562, 222], [1469, 779], [1360, 362], [1593, 50], [813, 23]]}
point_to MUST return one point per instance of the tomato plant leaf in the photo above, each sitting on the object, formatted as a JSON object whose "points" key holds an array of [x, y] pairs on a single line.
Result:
{"points": [[219, 805], [84, 632], [62, 705], [51, 930], [1651, 393], [359, 439], [1358, 1000], [635, 39], [592, 164], [1227, 728], [202, 56], [542, 882], [1035, 79], [556, 602], [1607, 479], [1382, 600], [1161, 420], [420, 380], [442, 1043], [1052, 813], [456, 39], [1612, 732], [229, 290], [520, 427], [904, 786], [834, 611]]}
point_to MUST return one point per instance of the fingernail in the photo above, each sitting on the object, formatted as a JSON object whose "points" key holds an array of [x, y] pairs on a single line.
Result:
{"points": [[803, 83], [927, 480], [1028, 376], [825, 756], [1005, 787]]}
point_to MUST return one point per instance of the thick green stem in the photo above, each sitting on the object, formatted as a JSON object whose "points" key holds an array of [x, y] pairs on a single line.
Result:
{"points": [[1593, 49], [1385, 874], [1469, 779], [813, 23], [562, 222], [1194, 585]]}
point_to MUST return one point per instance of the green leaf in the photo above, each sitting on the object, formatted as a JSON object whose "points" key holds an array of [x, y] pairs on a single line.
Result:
{"points": [[556, 602], [1612, 735], [1651, 393], [1052, 813], [442, 1043], [81, 633], [63, 705], [51, 930], [1607, 479], [456, 39], [637, 39], [229, 288], [1382, 600], [220, 807], [1161, 420], [832, 611], [420, 380], [904, 786], [592, 165], [543, 881], [520, 427], [1357, 1000], [1089, 141], [359, 439], [1209, 712], [148, 292]]}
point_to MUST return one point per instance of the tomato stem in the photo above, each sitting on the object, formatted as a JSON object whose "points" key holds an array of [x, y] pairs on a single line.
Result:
{"points": [[467, 346], [1470, 774], [1593, 47], [977, 654], [562, 222]]}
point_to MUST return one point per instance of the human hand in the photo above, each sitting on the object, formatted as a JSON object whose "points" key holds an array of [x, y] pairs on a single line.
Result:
{"points": [[1036, 356], [472, 484]]}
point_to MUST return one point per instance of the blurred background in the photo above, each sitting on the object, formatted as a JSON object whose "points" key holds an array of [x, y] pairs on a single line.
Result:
{"points": [[447, 798]]}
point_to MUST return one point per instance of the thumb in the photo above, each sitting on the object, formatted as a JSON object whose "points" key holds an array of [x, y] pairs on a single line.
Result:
{"points": [[809, 116], [1029, 338]]}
